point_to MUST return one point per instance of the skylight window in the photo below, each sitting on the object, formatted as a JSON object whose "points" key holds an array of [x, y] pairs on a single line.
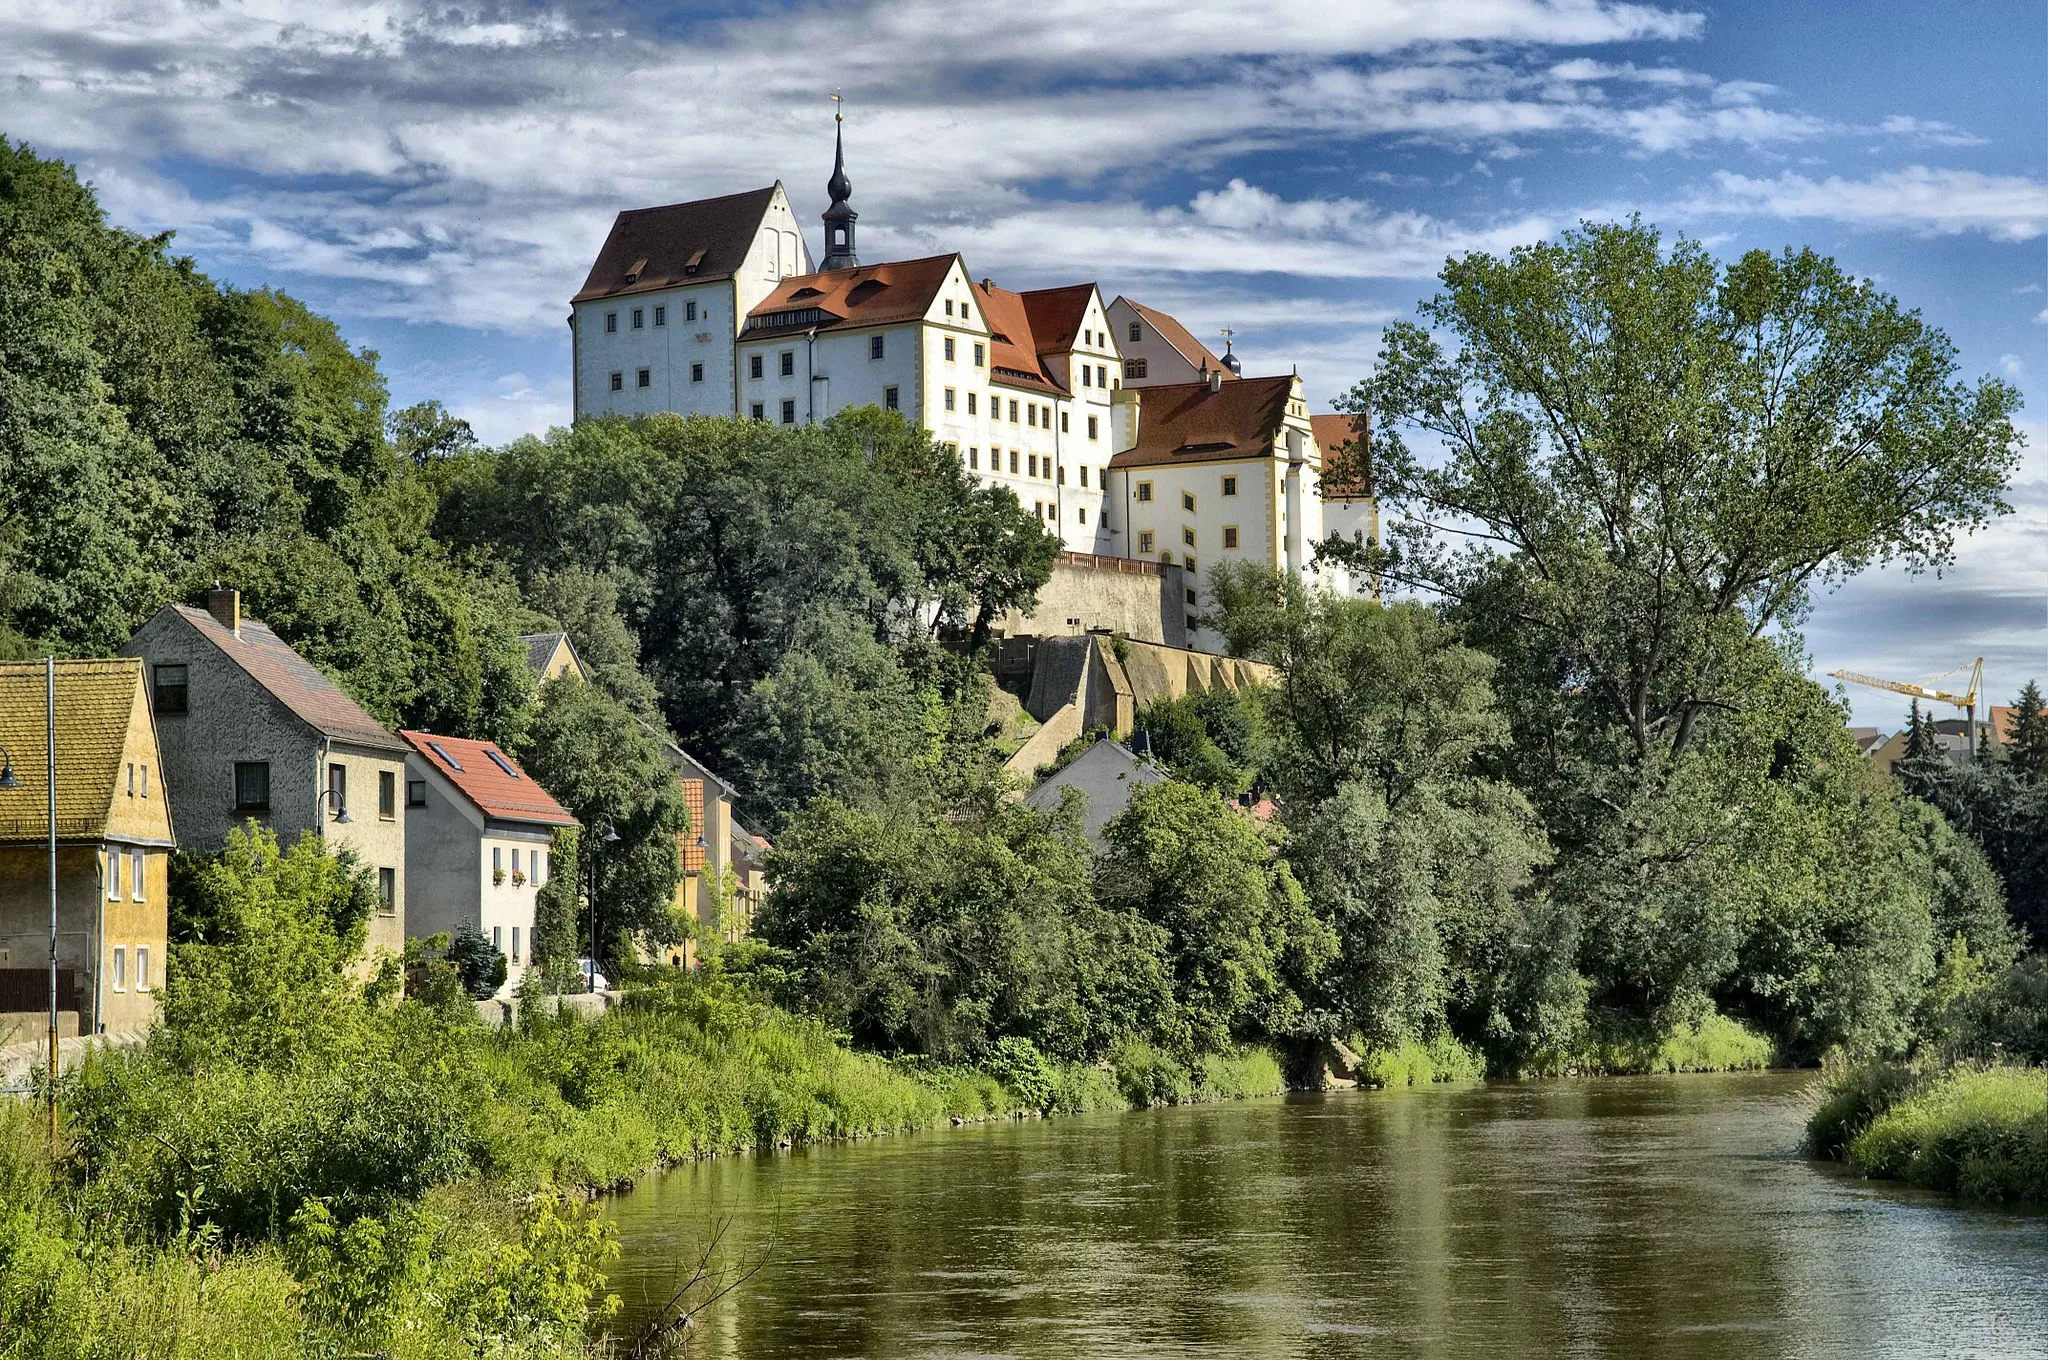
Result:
{"points": [[502, 763], [438, 749]]}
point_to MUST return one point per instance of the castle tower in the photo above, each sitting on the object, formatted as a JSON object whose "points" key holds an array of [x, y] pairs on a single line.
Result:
{"points": [[840, 217]]}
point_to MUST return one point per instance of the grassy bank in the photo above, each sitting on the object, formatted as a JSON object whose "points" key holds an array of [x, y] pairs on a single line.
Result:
{"points": [[1980, 1132]]}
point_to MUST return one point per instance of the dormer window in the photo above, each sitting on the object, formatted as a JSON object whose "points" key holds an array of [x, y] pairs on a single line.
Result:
{"points": [[695, 262], [639, 267]]}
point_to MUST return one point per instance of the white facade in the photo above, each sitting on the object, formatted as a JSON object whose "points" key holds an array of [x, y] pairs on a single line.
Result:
{"points": [[1150, 358]]}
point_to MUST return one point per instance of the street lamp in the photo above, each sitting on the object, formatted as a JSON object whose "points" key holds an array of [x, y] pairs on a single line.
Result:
{"points": [[605, 836], [7, 777]]}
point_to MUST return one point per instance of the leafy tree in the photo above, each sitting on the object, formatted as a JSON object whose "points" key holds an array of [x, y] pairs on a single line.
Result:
{"points": [[557, 908], [2028, 746], [609, 769], [1243, 946], [1208, 737], [479, 965], [425, 431]]}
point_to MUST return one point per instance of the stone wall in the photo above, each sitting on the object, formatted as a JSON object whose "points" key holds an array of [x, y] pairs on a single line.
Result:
{"points": [[1143, 600]]}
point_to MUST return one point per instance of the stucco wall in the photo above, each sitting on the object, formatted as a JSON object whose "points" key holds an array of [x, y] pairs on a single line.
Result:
{"points": [[448, 848], [1139, 600], [84, 913], [666, 351]]}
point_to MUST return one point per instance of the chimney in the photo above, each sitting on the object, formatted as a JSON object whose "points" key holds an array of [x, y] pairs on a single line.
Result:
{"points": [[1213, 378], [1123, 419], [226, 608]]}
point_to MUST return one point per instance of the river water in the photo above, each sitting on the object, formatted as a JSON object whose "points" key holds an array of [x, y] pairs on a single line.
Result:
{"points": [[1645, 1216]]}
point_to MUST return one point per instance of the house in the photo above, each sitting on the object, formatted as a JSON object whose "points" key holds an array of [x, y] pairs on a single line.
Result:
{"points": [[1344, 484], [1158, 351], [551, 654], [477, 837], [708, 846], [1951, 738], [252, 731], [1219, 470], [1107, 774], [114, 841]]}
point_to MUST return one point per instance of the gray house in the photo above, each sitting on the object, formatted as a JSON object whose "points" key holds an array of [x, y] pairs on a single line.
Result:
{"points": [[252, 731], [1106, 774]]}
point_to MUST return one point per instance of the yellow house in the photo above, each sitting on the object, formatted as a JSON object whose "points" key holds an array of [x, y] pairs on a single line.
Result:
{"points": [[551, 654], [114, 840]]}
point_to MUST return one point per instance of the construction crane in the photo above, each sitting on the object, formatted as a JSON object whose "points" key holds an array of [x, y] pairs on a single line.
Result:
{"points": [[1966, 701]]}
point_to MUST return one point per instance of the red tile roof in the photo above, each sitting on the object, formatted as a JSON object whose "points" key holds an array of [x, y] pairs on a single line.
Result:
{"points": [[868, 295], [292, 680], [679, 243], [505, 793], [1013, 355], [1343, 472], [1177, 335], [1187, 423], [1055, 315]]}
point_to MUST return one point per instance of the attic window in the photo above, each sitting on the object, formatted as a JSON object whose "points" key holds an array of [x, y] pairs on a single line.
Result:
{"points": [[863, 291], [502, 763], [438, 749], [806, 293], [691, 265], [639, 267]]}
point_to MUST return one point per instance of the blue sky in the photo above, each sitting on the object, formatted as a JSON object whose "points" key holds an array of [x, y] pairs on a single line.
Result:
{"points": [[437, 176]]}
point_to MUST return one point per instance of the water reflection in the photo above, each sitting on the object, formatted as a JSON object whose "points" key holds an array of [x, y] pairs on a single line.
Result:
{"points": [[1638, 1217]]}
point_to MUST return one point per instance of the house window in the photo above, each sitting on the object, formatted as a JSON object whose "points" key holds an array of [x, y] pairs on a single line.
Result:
{"points": [[970, 403], [516, 857], [252, 786], [1031, 414], [1230, 486], [618, 380], [753, 365], [171, 691], [1144, 491], [387, 892], [758, 411], [1083, 513], [113, 875], [543, 864], [1092, 427], [1145, 543], [889, 399], [415, 793], [978, 351], [120, 969], [875, 346], [1134, 368], [644, 378], [949, 399], [1187, 501], [1013, 462], [974, 457], [515, 938], [1063, 422], [1187, 536], [696, 373], [131, 779], [1230, 535], [689, 311], [145, 781], [497, 861], [1013, 411], [1087, 376], [611, 322], [387, 794], [498, 937], [142, 968], [1137, 331], [337, 790], [661, 316], [639, 319], [789, 410], [949, 339], [789, 363], [135, 883]]}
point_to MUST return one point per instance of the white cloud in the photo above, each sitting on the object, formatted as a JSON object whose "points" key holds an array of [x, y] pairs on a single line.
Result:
{"points": [[2004, 207], [2011, 365], [1928, 131]]}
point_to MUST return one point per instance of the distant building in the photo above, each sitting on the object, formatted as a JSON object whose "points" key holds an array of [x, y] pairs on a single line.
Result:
{"points": [[1107, 775], [114, 840], [552, 654], [1158, 351], [1350, 510], [477, 834], [252, 731], [1951, 737], [1867, 739], [710, 847]]}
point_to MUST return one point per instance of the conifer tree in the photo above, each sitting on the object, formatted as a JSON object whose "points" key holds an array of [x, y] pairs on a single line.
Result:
{"points": [[2029, 739], [1920, 743]]}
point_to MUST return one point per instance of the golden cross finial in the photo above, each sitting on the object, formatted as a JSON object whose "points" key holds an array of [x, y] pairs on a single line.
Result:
{"points": [[837, 115]]}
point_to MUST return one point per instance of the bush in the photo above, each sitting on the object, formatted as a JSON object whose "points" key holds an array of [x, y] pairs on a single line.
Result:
{"points": [[1442, 1058], [1981, 1133], [1854, 1096]]}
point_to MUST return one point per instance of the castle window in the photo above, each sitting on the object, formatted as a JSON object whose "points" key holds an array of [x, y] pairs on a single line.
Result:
{"points": [[788, 411], [1187, 501], [1083, 513], [1230, 486], [1189, 563], [1013, 411], [1038, 509], [974, 457], [758, 411], [949, 399], [1191, 597], [1013, 462], [661, 316], [1137, 331], [1187, 536], [644, 378], [1145, 543], [696, 373], [889, 396], [753, 365], [1144, 491], [639, 318], [970, 403], [618, 381], [1091, 427], [1087, 376], [1084, 474], [1031, 414], [1101, 375], [949, 342], [1063, 422], [1062, 477], [689, 311], [978, 350], [789, 363], [1032, 459], [611, 322], [875, 347], [1230, 535], [1134, 368]]}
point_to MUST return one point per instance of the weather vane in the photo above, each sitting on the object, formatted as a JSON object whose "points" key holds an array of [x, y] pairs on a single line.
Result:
{"points": [[1227, 333], [837, 116]]}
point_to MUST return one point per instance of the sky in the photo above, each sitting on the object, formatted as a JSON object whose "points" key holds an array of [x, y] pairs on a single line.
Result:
{"points": [[437, 176]]}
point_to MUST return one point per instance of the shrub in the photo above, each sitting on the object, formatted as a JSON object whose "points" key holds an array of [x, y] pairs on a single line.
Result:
{"points": [[1981, 1133]]}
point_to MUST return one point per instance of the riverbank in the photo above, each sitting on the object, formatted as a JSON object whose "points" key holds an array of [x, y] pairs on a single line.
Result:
{"points": [[1980, 1132]]}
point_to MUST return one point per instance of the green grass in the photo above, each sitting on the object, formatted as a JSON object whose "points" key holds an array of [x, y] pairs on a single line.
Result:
{"points": [[1623, 1046], [1978, 1132], [1419, 1064]]}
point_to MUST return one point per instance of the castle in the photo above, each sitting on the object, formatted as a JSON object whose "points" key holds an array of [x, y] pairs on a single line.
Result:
{"points": [[1127, 436]]}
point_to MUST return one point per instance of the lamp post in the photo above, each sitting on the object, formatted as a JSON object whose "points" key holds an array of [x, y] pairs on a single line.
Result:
{"points": [[606, 835], [50, 733]]}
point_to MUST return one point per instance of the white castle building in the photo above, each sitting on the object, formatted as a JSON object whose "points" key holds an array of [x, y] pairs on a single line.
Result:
{"points": [[1124, 433]]}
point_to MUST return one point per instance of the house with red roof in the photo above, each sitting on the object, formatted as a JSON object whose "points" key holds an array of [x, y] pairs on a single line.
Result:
{"points": [[478, 834]]}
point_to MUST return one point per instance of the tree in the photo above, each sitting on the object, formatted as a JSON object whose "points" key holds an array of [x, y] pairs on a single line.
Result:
{"points": [[425, 431], [479, 965], [608, 768], [2028, 745], [1672, 454]]}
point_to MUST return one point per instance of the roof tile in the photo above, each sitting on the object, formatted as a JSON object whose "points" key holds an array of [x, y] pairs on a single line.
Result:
{"points": [[292, 680], [1188, 423], [95, 701], [678, 243], [506, 793], [838, 299]]}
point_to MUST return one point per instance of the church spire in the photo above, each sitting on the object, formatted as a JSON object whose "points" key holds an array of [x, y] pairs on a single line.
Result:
{"points": [[840, 217]]}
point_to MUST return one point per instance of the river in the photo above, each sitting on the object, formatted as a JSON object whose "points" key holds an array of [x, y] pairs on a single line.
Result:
{"points": [[1645, 1216]]}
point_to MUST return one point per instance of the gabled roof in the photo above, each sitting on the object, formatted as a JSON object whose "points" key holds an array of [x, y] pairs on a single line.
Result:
{"points": [[1056, 314], [1341, 471], [1013, 354], [841, 299], [1108, 773], [680, 243], [541, 649], [503, 793], [292, 680], [692, 767], [1177, 335], [95, 702], [1188, 423]]}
